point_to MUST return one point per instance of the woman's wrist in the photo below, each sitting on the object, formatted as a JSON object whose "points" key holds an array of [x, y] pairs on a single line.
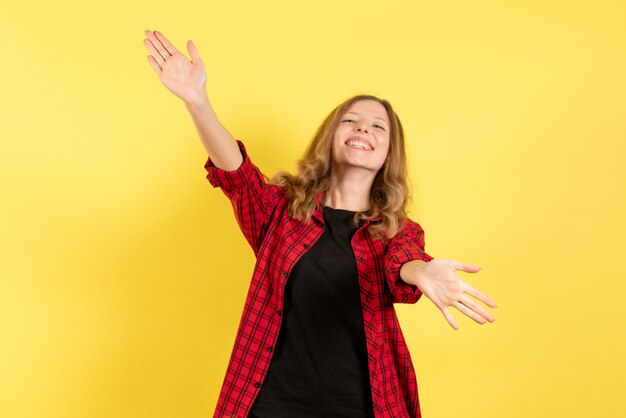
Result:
{"points": [[198, 101], [411, 270]]}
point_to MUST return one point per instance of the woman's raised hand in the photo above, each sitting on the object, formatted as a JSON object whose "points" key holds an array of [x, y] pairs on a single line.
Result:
{"points": [[441, 285], [185, 78]]}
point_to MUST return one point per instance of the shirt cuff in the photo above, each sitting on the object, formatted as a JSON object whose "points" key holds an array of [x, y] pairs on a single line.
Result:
{"points": [[407, 246], [229, 180]]}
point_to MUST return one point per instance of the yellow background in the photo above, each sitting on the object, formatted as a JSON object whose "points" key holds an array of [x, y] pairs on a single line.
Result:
{"points": [[123, 273]]}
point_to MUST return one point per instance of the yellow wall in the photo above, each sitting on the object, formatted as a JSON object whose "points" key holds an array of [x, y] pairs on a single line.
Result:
{"points": [[123, 273]]}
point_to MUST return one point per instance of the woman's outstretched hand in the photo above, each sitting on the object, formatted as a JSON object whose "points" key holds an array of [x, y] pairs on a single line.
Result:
{"points": [[186, 79], [437, 280]]}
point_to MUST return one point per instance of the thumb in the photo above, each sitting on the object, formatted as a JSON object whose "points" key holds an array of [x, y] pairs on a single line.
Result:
{"points": [[193, 52], [470, 268]]}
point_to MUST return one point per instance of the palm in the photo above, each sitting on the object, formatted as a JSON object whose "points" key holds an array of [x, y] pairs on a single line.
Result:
{"points": [[444, 288], [186, 79], [447, 288], [182, 77]]}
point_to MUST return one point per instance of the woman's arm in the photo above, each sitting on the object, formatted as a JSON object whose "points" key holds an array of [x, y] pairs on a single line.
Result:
{"points": [[218, 142], [187, 80]]}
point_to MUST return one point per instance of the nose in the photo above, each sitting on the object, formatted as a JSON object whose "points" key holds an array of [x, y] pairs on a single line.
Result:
{"points": [[361, 127]]}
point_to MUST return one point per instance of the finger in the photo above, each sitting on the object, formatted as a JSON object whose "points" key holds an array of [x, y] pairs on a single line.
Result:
{"points": [[449, 318], [470, 268], [156, 55], [193, 51], [467, 311], [154, 64], [476, 308], [171, 49], [158, 46], [480, 296]]}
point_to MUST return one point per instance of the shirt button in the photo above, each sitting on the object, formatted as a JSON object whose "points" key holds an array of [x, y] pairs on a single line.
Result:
{"points": [[257, 385], [269, 349], [306, 245], [279, 312], [284, 273]]}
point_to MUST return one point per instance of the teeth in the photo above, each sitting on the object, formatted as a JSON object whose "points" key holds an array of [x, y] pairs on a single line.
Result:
{"points": [[357, 143]]}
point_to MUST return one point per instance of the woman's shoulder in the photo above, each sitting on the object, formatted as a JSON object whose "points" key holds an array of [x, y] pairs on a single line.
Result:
{"points": [[409, 229], [412, 224]]}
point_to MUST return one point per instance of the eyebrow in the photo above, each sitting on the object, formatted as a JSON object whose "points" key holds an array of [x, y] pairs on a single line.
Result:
{"points": [[375, 117]]}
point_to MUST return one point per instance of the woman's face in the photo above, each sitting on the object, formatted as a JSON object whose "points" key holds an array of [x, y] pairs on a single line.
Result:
{"points": [[362, 136]]}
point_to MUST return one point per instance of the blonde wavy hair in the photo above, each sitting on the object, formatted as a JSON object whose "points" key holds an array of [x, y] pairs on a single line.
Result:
{"points": [[389, 195]]}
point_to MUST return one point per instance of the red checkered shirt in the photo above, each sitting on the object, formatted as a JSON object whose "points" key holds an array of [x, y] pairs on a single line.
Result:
{"points": [[278, 242]]}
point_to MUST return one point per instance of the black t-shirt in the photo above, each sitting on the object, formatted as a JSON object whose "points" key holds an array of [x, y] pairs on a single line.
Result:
{"points": [[319, 367]]}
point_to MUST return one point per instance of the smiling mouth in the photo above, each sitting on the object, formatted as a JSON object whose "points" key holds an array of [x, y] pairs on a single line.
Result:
{"points": [[358, 143], [360, 148]]}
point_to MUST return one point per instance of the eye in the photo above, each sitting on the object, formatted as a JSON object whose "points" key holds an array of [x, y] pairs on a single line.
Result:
{"points": [[380, 127], [348, 120]]}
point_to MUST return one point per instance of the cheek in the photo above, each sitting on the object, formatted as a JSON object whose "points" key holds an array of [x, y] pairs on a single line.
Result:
{"points": [[336, 140], [340, 131], [336, 145], [385, 146]]}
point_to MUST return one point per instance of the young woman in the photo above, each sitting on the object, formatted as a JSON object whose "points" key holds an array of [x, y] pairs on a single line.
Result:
{"points": [[319, 336]]}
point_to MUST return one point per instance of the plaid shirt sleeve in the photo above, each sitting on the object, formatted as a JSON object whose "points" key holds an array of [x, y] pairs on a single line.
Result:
{"points": [[253, 200], [407, 245]]}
